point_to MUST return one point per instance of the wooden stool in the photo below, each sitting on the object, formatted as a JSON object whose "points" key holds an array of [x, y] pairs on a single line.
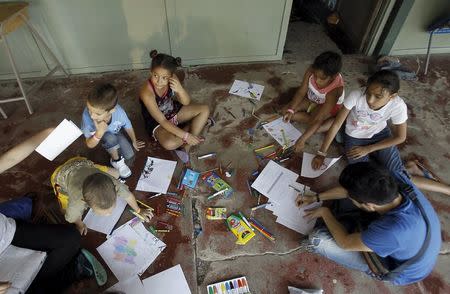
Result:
{"points": [[12, 16]]}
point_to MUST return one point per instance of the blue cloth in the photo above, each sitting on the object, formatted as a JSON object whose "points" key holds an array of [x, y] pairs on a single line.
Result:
{"points": [[119, 120], [388, 157], [399, 234], [18, 208]]}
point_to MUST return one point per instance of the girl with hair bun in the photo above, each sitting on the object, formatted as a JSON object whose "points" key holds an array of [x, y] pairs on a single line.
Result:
{"points": [[165, 104]]}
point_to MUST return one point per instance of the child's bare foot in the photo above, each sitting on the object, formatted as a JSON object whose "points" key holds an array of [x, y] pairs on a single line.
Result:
{"points": [[413, 169]]}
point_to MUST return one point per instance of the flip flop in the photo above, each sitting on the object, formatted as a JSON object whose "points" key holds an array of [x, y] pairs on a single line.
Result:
{"points": [[99, 271], [426, 173]]}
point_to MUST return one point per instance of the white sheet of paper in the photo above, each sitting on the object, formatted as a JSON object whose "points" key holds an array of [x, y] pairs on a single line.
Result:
{"points": [[274, 180], [277, 127], [126, 253], [156, 175], [309, 172], [20, 266], [132, 285], [247, 90], [295, 221], [171, 280], [105, 224], [58, 140]]}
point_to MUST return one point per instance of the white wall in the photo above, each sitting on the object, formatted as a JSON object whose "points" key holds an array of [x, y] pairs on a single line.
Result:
{"points": [[413, 38], [105, 35]]}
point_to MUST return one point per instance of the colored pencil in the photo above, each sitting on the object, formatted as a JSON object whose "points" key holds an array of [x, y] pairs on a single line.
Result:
{"points": [[264, 148], [162, 231], [264, 233], [156, 195], [143, 204], [207, 155], [260, 206], [217, 194], [245, 220], [137, 214]]}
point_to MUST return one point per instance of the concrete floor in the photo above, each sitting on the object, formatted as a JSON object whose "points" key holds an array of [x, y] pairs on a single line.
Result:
{"points": [[213, 256]]}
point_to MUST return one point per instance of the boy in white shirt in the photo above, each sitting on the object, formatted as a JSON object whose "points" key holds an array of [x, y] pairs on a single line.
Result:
{"points": [[366, 131]]}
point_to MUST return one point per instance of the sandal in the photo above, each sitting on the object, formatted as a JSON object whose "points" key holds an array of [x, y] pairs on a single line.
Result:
{"points": [[99, 271]]}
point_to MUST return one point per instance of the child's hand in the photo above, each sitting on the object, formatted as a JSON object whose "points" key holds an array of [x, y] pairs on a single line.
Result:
{"points": [[317, 162], [4, 286], [304, 200], [358, 152], [193, 140], [287, 116], [175, 84], [101, 127], [147, 214], [316, 213], [82, 228], [299, 146], [138, 145]]}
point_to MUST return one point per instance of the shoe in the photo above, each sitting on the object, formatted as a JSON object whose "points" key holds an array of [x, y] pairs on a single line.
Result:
{"points": [[90, 266], [124, 170]]}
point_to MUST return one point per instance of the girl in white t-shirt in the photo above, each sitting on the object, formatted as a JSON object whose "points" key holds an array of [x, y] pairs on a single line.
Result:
{"points": [[366, 112], [319, 98]]}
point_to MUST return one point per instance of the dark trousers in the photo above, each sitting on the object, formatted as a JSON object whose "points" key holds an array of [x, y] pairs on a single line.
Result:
{"points": [[62, 244]]}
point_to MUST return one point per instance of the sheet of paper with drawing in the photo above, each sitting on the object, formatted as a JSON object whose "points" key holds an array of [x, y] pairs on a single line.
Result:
{"points": [[58, 140], [309, 172], [127, 253], [171, 280], [284, 133], [105, 224], [247, 90], [156, 175]]}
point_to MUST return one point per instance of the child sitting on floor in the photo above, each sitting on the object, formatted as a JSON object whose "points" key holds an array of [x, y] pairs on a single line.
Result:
{"points": [[165, 104], [366, 112], [319, 97], [79, 184], [103, 120]]}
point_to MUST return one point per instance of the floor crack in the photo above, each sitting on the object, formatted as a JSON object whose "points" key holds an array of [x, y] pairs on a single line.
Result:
{"points": [[252, 255]]}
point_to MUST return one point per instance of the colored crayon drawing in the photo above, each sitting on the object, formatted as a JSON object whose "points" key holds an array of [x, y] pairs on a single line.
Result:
{"points": [[124, 250]]}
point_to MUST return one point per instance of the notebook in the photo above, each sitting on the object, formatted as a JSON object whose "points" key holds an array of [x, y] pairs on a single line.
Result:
{"points": [[58, 140], [20, 266]]}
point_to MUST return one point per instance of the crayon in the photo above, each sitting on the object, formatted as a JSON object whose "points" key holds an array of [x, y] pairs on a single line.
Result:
{"points": [[227, 285], [223, 288], [240, 286], [245, 220], [217, 193], [236, 286], [210, 290], [260, 206], [207, 155], [215, 290], [156, 195], [244, 282]]}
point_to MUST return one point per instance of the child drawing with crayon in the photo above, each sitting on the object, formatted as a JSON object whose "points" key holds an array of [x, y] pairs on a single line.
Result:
{"points": [[165, 105], [319, 97]]}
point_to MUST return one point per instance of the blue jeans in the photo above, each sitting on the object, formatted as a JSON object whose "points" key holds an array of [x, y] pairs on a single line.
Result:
{"points": [[322, 243], [388, 157], [113, 142]]}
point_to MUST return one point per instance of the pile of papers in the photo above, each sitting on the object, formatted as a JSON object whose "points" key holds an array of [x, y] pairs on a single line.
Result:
{"points": [[156, 175], [130, 250], [274, 182]]}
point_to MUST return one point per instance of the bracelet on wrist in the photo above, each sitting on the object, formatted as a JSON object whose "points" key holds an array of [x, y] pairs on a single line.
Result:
{"points": [[290, 110], [324, 154], [96, 138]]}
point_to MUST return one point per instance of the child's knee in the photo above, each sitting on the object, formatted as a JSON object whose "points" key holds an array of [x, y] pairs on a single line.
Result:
{"points": [[169, 144], [205, 109]]}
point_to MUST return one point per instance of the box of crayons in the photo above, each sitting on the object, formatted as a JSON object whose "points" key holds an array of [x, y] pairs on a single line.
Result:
{"points": [[237, 285]]}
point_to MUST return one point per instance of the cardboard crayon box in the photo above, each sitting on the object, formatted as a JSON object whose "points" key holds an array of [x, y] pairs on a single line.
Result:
{"points": [[237, 285]]}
